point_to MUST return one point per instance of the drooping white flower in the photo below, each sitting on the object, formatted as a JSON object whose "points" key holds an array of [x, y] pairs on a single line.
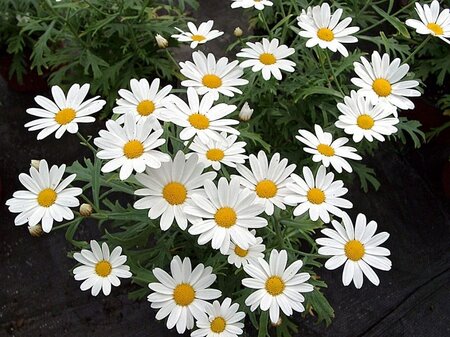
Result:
{"points": [[239, 256], [200, 35], [257, 4]]}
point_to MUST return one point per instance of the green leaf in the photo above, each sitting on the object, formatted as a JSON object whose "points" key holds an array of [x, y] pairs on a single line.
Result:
{"points": [[320, 305], [410, 127], [401, 28], [318, 91], [366, 176], [263, 324]]}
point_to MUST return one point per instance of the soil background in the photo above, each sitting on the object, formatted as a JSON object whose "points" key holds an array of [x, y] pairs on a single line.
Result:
{"points": [[39, 297]]}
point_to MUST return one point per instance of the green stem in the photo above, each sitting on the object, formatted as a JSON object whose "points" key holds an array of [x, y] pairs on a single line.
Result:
{"points": [[169, 55], [67, 224], [264, 21], [424, 42], [333, 73], [186, 147], [86, 142]]}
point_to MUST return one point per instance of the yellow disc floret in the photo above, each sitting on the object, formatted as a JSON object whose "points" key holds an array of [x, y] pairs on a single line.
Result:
{"points": [[266, 189], [212, 81], [325, 150], [145, 107], [382, 87], [199, 121], [365, 122], [215, 154], [267, 59], [325, 34], [225, 217], [175, 193], [354, 250], [103, 268], [46, 197], [315, 196], [275, 285], [435, 28], [65, 116], [133, 149], [218, 325], [183, 294]]}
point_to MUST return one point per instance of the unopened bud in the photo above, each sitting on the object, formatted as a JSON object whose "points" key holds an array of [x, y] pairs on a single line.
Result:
{"points": [[36, 230], [35, 163], [85, 210], [277, 323], [161, 41], [246, 113], [238, 32]]}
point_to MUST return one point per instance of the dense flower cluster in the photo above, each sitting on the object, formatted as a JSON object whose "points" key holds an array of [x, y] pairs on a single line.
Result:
{"points": [[193, 189]]}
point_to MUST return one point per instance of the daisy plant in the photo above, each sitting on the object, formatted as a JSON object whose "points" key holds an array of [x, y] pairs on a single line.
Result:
{"points": [[221, 199]]}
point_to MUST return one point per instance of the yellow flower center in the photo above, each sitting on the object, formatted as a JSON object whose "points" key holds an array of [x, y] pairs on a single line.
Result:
{"points": [[315, 196], [266, 189], [325, 34], [354, 250], [218, 325], [275, 285], [184, 294], [240, 252], [199, 121], [365, 122], [215, 154], [325, 150], [198, 38], [103, 268], [382, 87], [267, 59], [212, 81], [46, 197], [145, 107], [174, 193], [435, 28], [225, 217], [65, 116], [133, 149]]}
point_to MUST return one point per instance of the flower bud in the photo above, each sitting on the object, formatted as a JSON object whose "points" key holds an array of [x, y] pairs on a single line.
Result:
{"points": [[35, 163], [85, 209], [36, 230], [238, 32], [246, 113], [161, 41]]}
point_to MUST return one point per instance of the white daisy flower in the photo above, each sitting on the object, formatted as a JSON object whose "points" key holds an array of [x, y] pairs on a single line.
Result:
{"points": [[130, 147], [199, 35], [380, 81], [64, 113], [227, 213], [267, 57], [208, 75], [357, 247], [432, 21], [100, 269], [319, 196], [223, 150], [327, 151], [201, 117], [183, 295], [324, 29], [145, 101], [362, 119], [258, 4], [221, 320], [239, 256], [46, 199], [267, 180], [169, 189], [278, 286]]}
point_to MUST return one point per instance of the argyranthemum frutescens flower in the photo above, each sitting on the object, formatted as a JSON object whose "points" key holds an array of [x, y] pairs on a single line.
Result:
{"points": [[183, 295], [64, 113], [131, 146], [46, 199], [432, 21], [200, 116], [319, 196], [100, 269], [168, 189], [239, 256], [220, 320], [145, 101], [362, 119], [206, 74], [267, 57], [200, 35], [327, 151], [257, 4], [357, 247], [227, 213], [267, 180], [324, 29], [221, 149], [277, 287], [381, 81]]}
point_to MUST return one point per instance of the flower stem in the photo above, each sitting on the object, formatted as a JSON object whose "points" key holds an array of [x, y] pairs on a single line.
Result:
{"points": [[333, 73], [86, 142], [424, 42]]}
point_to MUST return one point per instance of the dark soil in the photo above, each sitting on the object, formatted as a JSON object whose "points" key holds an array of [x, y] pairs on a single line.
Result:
{"points": [[39, 297]]}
